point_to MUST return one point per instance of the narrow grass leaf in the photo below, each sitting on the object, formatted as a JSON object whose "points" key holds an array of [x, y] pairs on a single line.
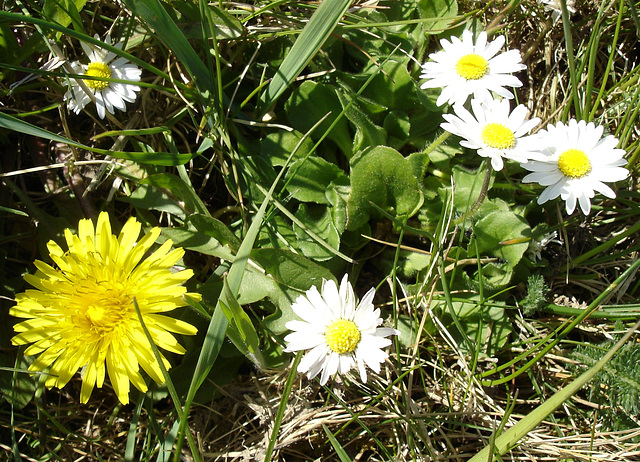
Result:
{"points": [[169, 383], [314, 34], [136, 132], [336, 445], [156, 17], [129, 451], [155, 158], [293, 373], [511, 437], [243, 335]]}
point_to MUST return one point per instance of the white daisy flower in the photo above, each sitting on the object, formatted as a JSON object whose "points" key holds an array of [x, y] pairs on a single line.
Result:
{"points": [[106, 95], [339, 334], [463, 68], [556, 8], [538, 244], [495, 132], [578, 163]]}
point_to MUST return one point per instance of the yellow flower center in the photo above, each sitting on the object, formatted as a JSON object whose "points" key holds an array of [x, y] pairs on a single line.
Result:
{"points": [[103, 307], [498, 136], [98, 70], [574, 163], [342, 336], [472, 67]]}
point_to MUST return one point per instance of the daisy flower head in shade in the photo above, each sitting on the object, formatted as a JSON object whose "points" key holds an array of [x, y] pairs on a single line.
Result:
{"points": [[555, 6], [339, 334], [81, 314], [463, 68], [579, 161], [106, 94], [495, 131]]}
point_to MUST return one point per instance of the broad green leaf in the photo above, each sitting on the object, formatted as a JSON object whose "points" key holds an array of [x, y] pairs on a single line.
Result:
{"points": [[216, 229], [500, 226], [63, 11], [17, 387], [466, 187], [147, 197], [310, 103], [443, 12], [338, 195], [278, 146], [383, 176], [226, 26], [316, 218], [486, 326], [392, 88], [367, 133], [315, 33], [308, 179], [181, 192], [198, 241], [290, 270], [398, 127]]}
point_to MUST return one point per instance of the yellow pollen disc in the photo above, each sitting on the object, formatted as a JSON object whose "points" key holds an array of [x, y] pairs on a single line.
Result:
{"points": [[106, 306], [472, 67], [498, 136], [342, 336], [98, 70], [574, 163]]}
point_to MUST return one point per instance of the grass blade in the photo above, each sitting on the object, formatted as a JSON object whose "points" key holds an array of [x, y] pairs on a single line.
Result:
{"points": [[510, 438], [156, 17], [314, 34], [336, 445], [155, 158]]}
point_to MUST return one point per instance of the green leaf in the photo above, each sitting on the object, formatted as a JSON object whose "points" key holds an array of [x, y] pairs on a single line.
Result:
{"points": [[291, 270], [486, 326], [311, 102], [241, 330], [383, 176], [216, 229], [316, 218], [398, 128], [336, 445], [226, 26], [308, 179], [367, 133], [501, 444], [17, 386], [466, 187], [444, 13], [314, 34], [279, 145], [192, 239], [146, 197], [498, 227], [63, 11], [180, 191]]}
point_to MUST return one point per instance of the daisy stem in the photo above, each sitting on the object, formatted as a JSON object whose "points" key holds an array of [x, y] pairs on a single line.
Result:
{"points": [[566, 26], [481, 197], [437, 142], [283, 406]]}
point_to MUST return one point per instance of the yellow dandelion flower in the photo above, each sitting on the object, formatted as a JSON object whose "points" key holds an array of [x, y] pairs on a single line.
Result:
{"points": [[81, 314]]}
